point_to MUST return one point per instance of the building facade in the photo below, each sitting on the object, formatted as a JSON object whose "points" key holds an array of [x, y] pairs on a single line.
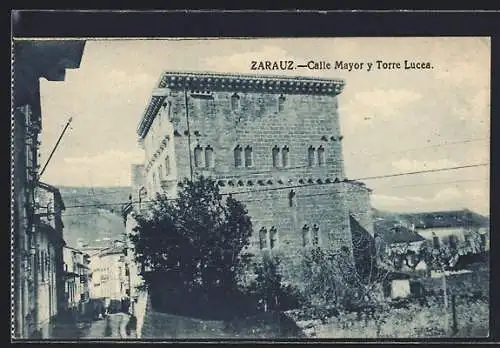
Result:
{"points": [[109, 276], [48, 280], [274, 143], [76, 268], [32, 61]]}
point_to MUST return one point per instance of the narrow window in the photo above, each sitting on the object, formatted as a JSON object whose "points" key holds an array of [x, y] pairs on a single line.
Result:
{"points": [[167, 166], [160, 172], [273, 234], [291, 199], [315, 236], [321, 156], [154, 181], [209, 157], [197, 156], [276, 152], [310, 156], [263, 238], [281, 102], [284, 156], [237, 156], [305, 233], [42, 265], [331, 236], [235, 102], [248, 156]]}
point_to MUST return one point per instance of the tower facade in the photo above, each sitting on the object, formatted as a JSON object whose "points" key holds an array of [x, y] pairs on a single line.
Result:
{"points": [[273, 142]]}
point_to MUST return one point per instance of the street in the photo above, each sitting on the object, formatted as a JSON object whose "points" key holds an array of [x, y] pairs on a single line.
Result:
{"points": [[112, 326]]}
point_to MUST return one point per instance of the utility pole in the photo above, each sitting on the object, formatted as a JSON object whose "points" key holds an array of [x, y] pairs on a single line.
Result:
{"points": [[189, 134], [57, 144]]}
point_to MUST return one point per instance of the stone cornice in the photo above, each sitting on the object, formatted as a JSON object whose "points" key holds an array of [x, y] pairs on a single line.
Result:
{"points": [[200, 81]]}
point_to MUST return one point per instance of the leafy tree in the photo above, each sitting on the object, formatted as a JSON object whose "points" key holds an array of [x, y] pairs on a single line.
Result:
{"points": [[193, 243], [269, 289]]}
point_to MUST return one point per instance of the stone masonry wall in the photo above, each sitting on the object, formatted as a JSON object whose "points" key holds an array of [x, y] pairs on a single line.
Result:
{"points": [[304, 121], [262, 122]]}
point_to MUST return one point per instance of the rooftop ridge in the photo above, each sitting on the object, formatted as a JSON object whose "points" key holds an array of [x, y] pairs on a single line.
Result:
{"points": [[193, 80], [246, 76]]}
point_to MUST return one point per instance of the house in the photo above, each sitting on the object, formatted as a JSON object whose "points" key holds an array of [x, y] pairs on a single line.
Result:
{"points": [[110, 280], [33, 60], [464, 230], [76, 270], [48, 277], [401, 245]]}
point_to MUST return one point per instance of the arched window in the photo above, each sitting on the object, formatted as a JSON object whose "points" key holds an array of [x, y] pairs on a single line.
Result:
{"points": [[321, 156], [284, 156], [305, 234], [235, 102], [273, 237], [248, 156], [276, 152], [281, 102], [209, 157], [315, 235], [311, 153], [237, 156], [197, 156], [263, 238]]}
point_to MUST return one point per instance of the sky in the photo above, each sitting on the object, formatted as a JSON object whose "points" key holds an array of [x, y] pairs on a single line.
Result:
{"points": [[393, 121]]}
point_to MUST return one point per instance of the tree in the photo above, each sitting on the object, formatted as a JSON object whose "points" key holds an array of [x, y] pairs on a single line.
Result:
{"points": [[269, 289], [193, 242]]}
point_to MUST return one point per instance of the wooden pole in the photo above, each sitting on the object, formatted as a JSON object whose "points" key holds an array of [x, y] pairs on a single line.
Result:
{"points": [[55, 147], [445, 299], [454, 313]]}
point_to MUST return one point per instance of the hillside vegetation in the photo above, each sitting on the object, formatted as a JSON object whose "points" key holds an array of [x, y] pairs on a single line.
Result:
{"points": [[93, 215]]}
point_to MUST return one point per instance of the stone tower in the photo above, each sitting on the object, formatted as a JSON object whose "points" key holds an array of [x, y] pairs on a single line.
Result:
{"points": [[273, 142]]}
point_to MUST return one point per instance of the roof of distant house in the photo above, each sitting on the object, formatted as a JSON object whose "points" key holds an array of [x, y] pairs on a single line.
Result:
{"points": [[392, 233], [446, 219]]}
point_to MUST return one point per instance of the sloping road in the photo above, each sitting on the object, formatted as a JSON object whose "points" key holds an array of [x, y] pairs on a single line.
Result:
{"points": [[110, 327]]}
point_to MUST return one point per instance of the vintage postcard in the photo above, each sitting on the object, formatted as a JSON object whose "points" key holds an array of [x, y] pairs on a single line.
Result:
{"points": [[300, 188]]}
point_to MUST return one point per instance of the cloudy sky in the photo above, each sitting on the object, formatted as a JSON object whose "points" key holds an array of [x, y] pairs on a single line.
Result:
{"points": [[393, 121]]}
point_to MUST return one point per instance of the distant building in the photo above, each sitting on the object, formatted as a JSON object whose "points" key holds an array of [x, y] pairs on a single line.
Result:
{"points": [[398, 239], [133, 268], [109, 277], [32, 60], [76, 268], [452, 227], [274, 142], [48, 281]]}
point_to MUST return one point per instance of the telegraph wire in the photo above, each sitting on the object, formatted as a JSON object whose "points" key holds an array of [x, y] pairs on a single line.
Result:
{"points": [[107, 193], [423, 147], [297, 186], [440, 182]]}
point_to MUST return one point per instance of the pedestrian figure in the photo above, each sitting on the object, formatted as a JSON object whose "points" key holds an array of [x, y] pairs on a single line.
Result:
{"points": [[131, 326]]}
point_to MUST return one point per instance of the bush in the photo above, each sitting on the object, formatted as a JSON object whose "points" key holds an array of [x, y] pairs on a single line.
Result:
{"points": [[268, 288]]}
